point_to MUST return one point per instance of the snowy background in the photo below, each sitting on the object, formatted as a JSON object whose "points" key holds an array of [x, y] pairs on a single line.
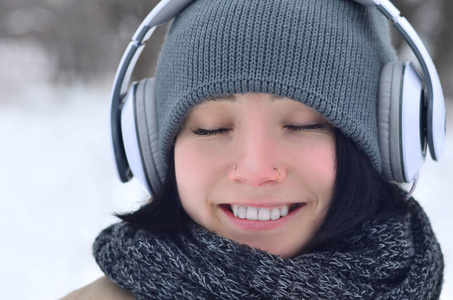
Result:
{"points": [[58, 186]]}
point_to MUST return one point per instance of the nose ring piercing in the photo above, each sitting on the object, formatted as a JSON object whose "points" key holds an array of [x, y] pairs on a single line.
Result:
{"points": [[279, 175], [276, 169]]}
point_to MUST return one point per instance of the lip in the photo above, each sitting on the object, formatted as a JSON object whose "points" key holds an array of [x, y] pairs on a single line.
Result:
{"points": [[250, 225]]}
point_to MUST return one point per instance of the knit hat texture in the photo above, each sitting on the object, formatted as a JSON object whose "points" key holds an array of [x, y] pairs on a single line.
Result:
{"points": [[326, 54]]}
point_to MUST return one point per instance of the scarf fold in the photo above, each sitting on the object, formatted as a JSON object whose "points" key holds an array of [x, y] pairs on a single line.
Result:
{"points": [[396, 258]]}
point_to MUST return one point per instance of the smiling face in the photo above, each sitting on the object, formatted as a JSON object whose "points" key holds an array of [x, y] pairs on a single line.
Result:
{"points": [[256, 169]]}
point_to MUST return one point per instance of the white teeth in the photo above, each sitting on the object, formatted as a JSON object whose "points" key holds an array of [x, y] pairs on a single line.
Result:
{"points": [[264, 214], [252, 213], [275, 214], [284, 211], [242, 212], [261, 213], [235, 210]]}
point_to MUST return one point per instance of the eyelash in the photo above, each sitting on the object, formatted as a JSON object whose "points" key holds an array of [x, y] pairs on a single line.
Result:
{"points": [[305, 127], [208, 132]]}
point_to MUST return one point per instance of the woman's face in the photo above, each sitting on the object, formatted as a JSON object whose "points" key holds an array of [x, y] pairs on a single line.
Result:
{"points": [[256, 169]]}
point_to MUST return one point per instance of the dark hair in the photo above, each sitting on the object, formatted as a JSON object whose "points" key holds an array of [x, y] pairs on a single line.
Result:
{"points": [[164, 213], [360, 194]]}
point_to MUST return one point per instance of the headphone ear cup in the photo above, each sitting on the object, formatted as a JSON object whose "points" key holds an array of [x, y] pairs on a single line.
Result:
{"points": [[388, 120], [130, 138], [147, 132], [400, 125]]}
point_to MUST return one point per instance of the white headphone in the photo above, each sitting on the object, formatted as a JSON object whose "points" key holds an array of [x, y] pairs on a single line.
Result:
{"points": [[411, 109]]}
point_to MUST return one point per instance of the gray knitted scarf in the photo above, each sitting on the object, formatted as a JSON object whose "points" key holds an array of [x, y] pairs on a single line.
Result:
{"points": [[398, 258]]}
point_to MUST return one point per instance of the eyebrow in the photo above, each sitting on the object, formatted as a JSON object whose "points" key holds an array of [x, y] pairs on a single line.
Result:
{"points": [[232, 98]]}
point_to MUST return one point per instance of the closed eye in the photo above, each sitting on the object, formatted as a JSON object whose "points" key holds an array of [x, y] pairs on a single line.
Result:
{"points": [[305, 127], [208, 132]]}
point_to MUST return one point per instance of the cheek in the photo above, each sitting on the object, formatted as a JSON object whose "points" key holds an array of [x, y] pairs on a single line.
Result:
{"points": [[196, 175], [186, 164], [193, 166], [317, 165], [322, 162]]}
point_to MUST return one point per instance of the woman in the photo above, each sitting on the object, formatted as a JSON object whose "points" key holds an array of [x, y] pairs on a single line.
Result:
{"points": [[267, 125]]}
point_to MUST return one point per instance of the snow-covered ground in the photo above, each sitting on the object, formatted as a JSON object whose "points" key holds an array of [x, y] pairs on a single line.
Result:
{"points": [[58, 186]]}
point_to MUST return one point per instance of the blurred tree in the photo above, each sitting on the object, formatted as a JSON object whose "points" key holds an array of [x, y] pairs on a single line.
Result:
{"points": [[433, 21], [87, 38]]}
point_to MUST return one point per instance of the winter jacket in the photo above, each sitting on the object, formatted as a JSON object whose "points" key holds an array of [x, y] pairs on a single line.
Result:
{"points": [[101, 289]]}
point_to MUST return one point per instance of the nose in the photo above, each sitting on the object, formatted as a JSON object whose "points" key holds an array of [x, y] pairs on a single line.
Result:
{"points": [[257, 161]]}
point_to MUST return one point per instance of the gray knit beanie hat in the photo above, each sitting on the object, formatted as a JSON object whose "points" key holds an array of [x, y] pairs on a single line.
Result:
{"points": [[326, 54]]}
